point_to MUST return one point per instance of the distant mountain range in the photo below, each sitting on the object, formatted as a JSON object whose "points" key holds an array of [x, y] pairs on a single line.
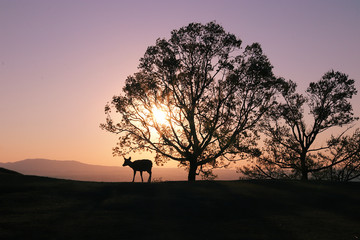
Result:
{"points": [[86, 172]]}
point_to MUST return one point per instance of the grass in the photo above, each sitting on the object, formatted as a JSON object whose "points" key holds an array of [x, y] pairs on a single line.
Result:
{"points": [[44, 208]]}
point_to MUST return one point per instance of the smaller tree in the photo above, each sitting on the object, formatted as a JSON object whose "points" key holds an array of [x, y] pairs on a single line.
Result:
{"points": [[343, 157], [288, 151]]}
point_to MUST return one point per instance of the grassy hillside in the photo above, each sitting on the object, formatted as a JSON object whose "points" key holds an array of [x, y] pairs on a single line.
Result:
{"points": [[44, 208]]}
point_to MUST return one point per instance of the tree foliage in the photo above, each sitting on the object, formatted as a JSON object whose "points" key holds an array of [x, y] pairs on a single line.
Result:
{"points": [[212, 92], [343, 157], [288, 151]]}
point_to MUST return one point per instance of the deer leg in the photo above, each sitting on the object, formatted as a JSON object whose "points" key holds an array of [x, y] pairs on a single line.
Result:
{"points": [[142, 180], [134, 176], [149, 180]]}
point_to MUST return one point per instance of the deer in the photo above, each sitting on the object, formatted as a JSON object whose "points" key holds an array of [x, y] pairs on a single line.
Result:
{"points": [[139, 165]]}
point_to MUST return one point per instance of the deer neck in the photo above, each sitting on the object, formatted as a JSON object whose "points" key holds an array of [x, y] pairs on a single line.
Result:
{"points": [[131, 164]]}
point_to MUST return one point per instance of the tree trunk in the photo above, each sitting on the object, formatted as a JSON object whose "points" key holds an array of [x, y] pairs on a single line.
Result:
{"points": [[304, 169], [304, 175], [192, 171]]}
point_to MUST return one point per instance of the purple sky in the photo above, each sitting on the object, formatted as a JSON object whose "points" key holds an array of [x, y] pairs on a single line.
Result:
{"points": [[61, 61]]}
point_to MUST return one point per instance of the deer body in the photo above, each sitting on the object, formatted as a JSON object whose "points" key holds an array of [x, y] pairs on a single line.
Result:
{"points": [[139, 165]]}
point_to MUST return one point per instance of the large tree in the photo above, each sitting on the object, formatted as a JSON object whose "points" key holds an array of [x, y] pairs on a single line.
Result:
{"points": [[289, 151], [196, 99]]}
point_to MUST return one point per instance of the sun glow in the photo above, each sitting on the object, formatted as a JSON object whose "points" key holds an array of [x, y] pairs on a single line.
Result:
{"points": [[160, 116]]}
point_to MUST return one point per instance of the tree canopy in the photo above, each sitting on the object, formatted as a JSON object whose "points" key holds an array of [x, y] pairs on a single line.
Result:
{"points": [[209, 92]]}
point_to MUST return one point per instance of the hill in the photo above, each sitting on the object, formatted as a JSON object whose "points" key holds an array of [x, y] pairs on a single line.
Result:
{"points": [[68, 170], [44, 208], [74, 170]]}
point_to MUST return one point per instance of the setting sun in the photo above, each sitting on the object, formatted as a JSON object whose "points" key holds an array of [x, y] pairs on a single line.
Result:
{"points": [[160, 116]]}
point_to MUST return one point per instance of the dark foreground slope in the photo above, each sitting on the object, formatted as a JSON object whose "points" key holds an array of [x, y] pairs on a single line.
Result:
{"points": [[7, 171], [44, 208]]}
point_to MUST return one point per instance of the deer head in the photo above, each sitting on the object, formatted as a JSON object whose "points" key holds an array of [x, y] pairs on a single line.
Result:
{"points": [[127, 161]]}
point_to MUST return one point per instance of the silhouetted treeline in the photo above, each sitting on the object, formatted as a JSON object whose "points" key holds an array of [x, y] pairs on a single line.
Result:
{"points": [[217, 98]]}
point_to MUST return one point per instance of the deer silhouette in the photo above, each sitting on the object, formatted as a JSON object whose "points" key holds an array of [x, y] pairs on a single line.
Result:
{"points": [[139, 165]]}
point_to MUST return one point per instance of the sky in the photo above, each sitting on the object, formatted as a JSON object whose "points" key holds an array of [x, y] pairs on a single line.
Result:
{"points": [[62, 61]]}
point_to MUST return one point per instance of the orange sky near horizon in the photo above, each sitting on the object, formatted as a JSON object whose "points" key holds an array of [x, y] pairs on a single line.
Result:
{"points": [[62, 61]]}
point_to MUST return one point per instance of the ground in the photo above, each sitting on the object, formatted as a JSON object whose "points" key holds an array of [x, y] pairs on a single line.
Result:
{"points": [[44, 208]]}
